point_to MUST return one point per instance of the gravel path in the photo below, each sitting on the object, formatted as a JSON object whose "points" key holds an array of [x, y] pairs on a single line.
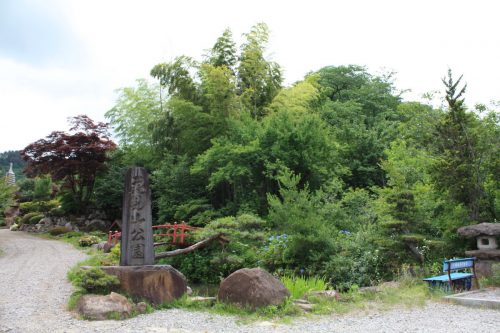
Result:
{"points": [[34, 291]]}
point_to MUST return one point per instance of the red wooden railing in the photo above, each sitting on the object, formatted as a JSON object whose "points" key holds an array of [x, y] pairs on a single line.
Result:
{"points": [[178, 233], [114, 237], [175, 231]]}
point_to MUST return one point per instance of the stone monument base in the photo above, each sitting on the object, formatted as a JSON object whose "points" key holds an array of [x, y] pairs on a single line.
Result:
{"points": [[487, 258], [156, 283]]}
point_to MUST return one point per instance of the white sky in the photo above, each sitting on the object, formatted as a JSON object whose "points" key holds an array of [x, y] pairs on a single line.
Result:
{"points": [[61, 58]]}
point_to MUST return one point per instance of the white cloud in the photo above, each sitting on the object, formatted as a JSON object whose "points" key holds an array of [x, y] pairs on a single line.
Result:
{"points": [[119, 41]]}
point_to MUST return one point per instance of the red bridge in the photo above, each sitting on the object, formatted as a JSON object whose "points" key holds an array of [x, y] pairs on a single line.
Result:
{"points": [[177, 232]]}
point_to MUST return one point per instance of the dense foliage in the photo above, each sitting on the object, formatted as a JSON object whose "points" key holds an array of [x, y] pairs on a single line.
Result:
{"points": [[351, 181], [333, 176]]}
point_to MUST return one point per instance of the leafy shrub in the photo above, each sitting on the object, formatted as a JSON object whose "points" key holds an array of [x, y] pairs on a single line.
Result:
{"points": [[198, 267], [494, 279], [60, 230], [56, 212], [36, 218], [299, 213], [299, 286], [2, 222], [27, 217], [96, 281], [272, 255], [38, 206], [43, 188], [114, 254], [357, 261], [88, 240], [26, 189]]}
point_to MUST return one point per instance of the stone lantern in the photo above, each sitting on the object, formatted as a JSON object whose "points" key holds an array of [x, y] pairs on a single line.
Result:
{"points": [[487, 252]]}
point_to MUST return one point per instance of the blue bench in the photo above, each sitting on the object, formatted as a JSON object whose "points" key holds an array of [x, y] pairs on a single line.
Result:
{"points": [[453, 279]]}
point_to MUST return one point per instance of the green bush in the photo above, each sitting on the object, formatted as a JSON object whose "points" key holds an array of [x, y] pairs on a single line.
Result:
{"points": [[2, 222], [27, 217], [56, 212], [88, 240], [43, 189], [36, 218], [357, 261], [96, 281], [38, 206], [60, 230]]}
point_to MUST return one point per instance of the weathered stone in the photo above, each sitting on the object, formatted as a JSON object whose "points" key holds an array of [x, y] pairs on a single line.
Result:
{"points": [[252, 287], [141, 307], [69, 225], [100, 307], [189, 291], [61, 221], [306, 307], [484, 254], [484, 268], [137, 232], [301, 301], [10, 215], [47, 221], [14, 227], [487, 243], [486, 229], [103, 246], [156, 283], [324, 294], [201, 299], [371, 289], [95, 225]]}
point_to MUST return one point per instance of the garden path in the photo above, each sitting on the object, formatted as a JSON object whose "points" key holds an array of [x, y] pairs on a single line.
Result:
{"points": [[34, 291]]}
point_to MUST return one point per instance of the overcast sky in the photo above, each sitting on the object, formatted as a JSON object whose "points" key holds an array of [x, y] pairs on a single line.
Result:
{"points": [[61, 58]]}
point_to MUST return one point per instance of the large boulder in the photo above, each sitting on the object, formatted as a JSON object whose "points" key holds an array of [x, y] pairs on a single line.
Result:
{"points": [[486, 229], [156, 283], [252, 287], [101, 307]]}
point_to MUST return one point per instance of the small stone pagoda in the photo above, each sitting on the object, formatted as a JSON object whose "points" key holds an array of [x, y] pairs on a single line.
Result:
{"points": [[10, 177], [487, 252]]}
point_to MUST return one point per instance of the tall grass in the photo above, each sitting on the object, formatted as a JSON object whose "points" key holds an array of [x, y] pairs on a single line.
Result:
{"points": [[299, 286]]}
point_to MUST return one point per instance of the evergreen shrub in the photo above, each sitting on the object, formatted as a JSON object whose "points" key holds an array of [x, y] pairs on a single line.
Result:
{"points": [[96, 281], [86, 241]]}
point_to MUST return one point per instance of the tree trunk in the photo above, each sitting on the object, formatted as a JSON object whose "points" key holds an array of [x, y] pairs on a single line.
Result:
{"points": [[192, 248]]}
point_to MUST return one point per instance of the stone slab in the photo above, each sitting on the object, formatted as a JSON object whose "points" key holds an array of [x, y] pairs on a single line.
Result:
{"points": [[488, 298], [484, 254], [156, 283]]}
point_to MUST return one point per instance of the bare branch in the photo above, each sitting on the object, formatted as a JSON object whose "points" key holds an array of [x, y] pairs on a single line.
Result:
{"points": [[193, 247]]}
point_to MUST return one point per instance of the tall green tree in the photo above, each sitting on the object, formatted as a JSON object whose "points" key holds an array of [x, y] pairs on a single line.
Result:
{"points": [[363, 112], [259, 80], [458, 170], [136, 109], [223, 53]]}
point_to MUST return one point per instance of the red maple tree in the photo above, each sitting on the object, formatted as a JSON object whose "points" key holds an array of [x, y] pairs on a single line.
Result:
{"points": [[75, 158]]}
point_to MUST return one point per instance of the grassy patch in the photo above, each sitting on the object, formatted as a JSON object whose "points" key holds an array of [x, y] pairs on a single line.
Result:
{"points": [[407, 292], [299, 286], [73, 237]]}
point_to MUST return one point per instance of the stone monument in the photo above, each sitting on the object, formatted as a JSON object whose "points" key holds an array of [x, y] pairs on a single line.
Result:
{"points": [[137, 273], [137, 233], [487, 252]]}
